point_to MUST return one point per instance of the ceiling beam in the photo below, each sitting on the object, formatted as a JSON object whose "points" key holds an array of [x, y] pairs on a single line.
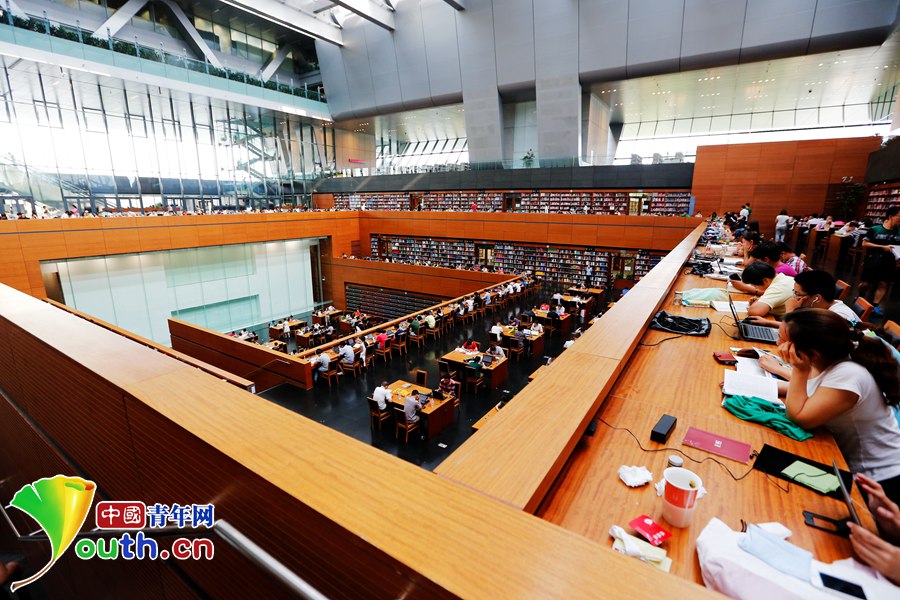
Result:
{"points": [[457, 4], [119, 19], [370, 11], [319, 6], [290, 18]]}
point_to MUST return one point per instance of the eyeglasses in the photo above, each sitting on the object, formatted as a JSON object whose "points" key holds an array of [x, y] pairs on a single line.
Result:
{"points": [[799, 294]]}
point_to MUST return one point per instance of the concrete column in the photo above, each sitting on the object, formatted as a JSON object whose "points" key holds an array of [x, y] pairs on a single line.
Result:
{"points": [[598, 140]]}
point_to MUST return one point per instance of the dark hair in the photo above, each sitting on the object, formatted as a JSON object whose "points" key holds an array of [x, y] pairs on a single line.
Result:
{"points": [[817, 282], [755, 272], [783, 212], [782, 247], [768, 251], [891, 212], [752, 236], [827, 333]]}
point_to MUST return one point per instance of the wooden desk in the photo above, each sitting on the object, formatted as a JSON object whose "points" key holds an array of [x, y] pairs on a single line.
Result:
{"points": [[275, 345], [487, 417], [537, 341], [275, 333], [564, 324], [319, 318], [584, 290], [680, 377], [497, 373], [537, 372], [439, 414]]}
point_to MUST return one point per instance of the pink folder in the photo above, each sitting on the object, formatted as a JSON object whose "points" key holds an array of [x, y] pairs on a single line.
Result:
{"points": [[717, 444]]}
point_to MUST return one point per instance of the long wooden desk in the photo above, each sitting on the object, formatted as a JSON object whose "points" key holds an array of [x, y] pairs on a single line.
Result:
{"points": [[276, 332], [438, 413], [537, 341], [320, 317], [487, 417], [679, 377], [564, 323], [497, 372]]}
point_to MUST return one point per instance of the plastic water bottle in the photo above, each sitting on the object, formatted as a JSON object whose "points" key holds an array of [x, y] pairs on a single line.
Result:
{"points": [[677, 300]]}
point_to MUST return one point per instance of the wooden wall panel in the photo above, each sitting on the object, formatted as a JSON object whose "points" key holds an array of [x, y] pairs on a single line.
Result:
{"points": [[776, 175]]}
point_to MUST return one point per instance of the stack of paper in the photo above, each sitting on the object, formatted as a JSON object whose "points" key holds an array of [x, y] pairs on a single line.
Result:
{"points": [[740, 306]]}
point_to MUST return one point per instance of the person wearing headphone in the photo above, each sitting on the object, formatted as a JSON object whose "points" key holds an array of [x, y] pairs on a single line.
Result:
{"points": [[813, 289]]}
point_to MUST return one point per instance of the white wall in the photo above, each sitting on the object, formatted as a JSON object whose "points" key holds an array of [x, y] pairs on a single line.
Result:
{"points": [[228, 287]]}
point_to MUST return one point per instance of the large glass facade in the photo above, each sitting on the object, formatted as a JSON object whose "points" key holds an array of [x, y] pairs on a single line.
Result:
{"points": [[226, 288], [70, 137]]}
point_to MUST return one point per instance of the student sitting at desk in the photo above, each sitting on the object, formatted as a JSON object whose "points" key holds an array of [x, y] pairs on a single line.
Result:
{"points": [[557, 297], [776, 289], [382, 395], [346, 353], [770, 252], [414, 326], [381, 339], [496, 331], [359, 344], [470, 304], [848, 383], [813, 289], [412, 406], [320, 364], [529, 314], [496, 350], [514, 321], [475, 363], [471, 345], [448, 386], [429, 320], [460, 309]]}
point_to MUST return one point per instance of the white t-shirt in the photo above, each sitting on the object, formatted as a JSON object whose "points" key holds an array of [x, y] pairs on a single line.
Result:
{"points": [[867, 434], [844, 311], [382, 396], [782, 221], [778, 292], [745, 213], [568, 343]]}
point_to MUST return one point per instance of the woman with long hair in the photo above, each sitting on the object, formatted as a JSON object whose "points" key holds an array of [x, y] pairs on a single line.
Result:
{"points": [[846, 382]]}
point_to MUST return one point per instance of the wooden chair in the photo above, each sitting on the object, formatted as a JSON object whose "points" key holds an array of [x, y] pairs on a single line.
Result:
{"points": [[456, 398], [432, 333], [448, 323], [841, 289], [370, 357], [479, 312], [421, 378], [402, 423], [862, 307], [444, 369], [469, 316], [474, 378], [384, 352], [513, 348], [355, 368], [892, 334], [416, 339], [332, 372], [376, 414], [549, 329], [399, 343]]}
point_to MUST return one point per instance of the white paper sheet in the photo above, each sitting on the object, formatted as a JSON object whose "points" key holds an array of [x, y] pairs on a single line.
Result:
{"points": [[740, 306], [739, 384]]}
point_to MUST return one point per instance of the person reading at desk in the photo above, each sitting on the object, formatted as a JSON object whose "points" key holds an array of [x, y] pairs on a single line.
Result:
{"points": [[496, 331], [536, 328], [412, 407], [382, 395], [359, 344], [320, 364], [776, 289], [529, 313], [557, 297], [846, 382], [414, 325], [770, 252], [812, 289], [475, 363], [429, 320], [448, 386], [496, 350], [346, 353], [471, 345], [380, 340]]}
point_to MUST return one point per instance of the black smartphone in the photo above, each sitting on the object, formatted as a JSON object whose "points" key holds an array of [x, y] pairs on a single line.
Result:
{"points": [[840, 585]]}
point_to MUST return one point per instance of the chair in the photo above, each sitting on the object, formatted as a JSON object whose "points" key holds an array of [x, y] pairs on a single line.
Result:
{"points": [[513, 348], [841, 289], [376, 414], [862, 307], [421, 378], [891, 334], [432, 333], [549, 329], [415, 339], [402, 423], [355, 367], [400, 343], [370, 357], [384, 352], [456, 398], [332, 372], [474, 378], [447, 323], [479, 312], [444, 369], [468, 316]]}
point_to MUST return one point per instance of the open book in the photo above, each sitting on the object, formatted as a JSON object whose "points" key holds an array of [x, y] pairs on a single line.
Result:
{"points": [[741, 384]]}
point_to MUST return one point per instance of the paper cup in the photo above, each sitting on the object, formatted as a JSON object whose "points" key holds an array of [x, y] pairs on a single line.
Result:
{"points": [[680, 496]]}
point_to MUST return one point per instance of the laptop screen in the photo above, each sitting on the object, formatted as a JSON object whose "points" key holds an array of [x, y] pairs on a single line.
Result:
{"points": [[737, 322], [846, 494], [487, 359]]}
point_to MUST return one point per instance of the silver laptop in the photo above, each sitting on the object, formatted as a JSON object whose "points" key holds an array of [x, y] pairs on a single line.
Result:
{"points": [[753, 333]]}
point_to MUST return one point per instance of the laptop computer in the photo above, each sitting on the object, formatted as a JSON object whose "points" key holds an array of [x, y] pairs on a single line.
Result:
{"points": [[846, 494], [753, 333], [487, 359]]}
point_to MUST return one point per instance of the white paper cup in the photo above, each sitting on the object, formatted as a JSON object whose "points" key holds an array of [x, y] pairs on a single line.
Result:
{"points": [[680, 496]]}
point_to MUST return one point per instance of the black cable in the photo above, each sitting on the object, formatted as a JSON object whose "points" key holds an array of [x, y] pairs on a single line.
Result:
{"points": [[734, 324], [662, 340], [754, 454]]}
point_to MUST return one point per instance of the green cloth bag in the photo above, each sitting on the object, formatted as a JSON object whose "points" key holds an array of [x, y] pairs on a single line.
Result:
{"points": [[757, 410], [704, 294]]}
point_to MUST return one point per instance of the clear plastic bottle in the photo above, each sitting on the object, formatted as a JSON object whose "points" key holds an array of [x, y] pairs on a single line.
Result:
{"points": [[677, 300]]}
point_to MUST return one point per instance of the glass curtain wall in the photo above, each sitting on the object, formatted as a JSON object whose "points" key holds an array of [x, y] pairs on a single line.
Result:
{"points": [[225, 288], [73, 138]]}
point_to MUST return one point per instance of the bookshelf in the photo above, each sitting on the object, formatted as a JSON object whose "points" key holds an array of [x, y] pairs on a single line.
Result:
{"points": [[675, 202], [558, 263], [386, 303], [881, 197]]}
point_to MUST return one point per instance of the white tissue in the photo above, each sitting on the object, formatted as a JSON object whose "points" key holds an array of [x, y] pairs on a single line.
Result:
{"points": [[635, 476]]}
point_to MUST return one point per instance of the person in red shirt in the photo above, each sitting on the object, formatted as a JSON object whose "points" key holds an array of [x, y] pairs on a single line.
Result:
{"points": [[471, 345], [381, 339]]}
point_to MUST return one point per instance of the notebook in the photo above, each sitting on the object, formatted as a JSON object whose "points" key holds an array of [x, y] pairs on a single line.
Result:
{"points": [[717, 444]]}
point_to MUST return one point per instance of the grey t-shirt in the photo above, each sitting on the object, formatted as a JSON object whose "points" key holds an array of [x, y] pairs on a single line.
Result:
{"points": [[410, 404]]}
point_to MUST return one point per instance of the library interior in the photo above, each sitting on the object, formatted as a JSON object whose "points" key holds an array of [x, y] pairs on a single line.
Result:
{"points": [[449, 298]]}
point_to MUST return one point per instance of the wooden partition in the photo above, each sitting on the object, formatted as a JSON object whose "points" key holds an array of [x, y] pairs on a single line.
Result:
{"points": [[266, 368], [24, 243], [434, 281], [244, 384], [516, 456], [776, 175], [353, 521]]}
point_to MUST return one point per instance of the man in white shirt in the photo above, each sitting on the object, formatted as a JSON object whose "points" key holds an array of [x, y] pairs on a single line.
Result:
{"points": [[382, 395], [347, 355], [536, 328], [496, 350], [287, 330], [557, 297], [320, 364], [361, 346], [776, 289], [496, 331], [470, 304]]}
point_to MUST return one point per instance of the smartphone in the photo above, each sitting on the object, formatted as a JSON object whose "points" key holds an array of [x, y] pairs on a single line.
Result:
{"points": [[835, 584], [725, 358]]}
